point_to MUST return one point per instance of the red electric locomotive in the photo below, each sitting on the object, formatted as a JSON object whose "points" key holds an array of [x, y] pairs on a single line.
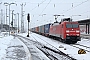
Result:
{"points": [[66, 31]]}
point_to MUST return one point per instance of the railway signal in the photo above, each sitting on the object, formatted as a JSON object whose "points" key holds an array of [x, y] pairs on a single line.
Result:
{"points": [[28, 18]]}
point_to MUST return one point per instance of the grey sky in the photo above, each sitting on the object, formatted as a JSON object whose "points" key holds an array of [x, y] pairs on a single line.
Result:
{"points": [[42, 11]]}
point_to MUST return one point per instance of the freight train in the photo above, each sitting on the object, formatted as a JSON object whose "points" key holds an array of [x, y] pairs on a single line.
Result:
{"points": [[65, 31]]}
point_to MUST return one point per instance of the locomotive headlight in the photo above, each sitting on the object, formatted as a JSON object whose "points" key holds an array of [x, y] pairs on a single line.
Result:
{"points": [[67, 30], [77, 31], [67, 34], [77, 34]]}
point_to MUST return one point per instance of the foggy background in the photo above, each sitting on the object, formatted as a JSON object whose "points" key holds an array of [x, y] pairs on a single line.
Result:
{"points": [[42, 11]]}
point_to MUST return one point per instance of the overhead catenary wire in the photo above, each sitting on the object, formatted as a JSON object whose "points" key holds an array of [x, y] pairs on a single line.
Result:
{"points": [[85, 12], [38, 5], [32, 3], [75, 6], [68, 9], [46, 6]]}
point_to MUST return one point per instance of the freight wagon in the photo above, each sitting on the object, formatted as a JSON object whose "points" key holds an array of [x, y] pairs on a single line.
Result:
{"points": [[36, 29], [41, 30], [46, 29]]}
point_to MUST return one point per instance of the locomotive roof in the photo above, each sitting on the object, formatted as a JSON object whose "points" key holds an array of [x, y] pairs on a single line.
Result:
{"points": [[64, 22]]}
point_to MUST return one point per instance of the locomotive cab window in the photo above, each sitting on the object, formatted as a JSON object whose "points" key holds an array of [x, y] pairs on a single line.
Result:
{"points": [[68, 26], [75, 25], [72, 25]]}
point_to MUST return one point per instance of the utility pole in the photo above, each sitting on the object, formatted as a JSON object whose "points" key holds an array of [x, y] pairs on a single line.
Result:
{"points": [[22, 20], [9, 13], [0, 14], [15, 22], [18, 22], [12, 18], [1, 19], [6, 12]]}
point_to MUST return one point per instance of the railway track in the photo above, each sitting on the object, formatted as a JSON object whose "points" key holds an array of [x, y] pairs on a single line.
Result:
{"points": [[85, 36], [52, 54], [83, 45], [29, 43], [79, 46], [54, 49], [39, 47], [86, 48], [49, 50]]}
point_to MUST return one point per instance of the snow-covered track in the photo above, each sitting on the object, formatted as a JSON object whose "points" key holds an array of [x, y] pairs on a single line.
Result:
{"points": [[43, 49], [79, 46], [52, 48], [83, 45], [87, 49], [30, 44], [26, 48]]}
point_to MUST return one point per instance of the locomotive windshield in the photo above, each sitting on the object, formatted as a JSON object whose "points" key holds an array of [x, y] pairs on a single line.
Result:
{"points": [[71, 25]]}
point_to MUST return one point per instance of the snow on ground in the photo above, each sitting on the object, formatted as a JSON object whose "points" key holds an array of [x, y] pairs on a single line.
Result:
{"points": [[11, 48], [6, 41], [71, 51], [85, 42]]}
